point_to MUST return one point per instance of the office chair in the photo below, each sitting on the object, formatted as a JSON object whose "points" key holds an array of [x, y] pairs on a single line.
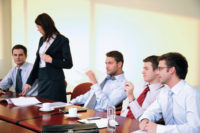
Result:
{"points": [[79, 90]]}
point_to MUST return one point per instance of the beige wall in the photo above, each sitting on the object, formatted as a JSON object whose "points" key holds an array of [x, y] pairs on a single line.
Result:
{"points": [[135, 27], [5, 37]]}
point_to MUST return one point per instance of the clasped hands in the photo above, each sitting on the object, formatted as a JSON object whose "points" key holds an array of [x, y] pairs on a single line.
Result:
{"points": [[148, 126]]}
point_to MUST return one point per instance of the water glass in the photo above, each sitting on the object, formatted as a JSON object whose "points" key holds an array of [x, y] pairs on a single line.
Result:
{"points": [[111, 118]]}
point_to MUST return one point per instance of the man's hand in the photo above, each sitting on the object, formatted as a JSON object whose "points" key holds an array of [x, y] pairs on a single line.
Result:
{"points": [[26, 87], [151, 127], [91, 76], [143, 124], [129, 87], [2, 92], [47, 58]]}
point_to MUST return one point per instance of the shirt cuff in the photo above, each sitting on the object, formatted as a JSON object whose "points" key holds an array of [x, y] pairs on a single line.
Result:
{"points": [[73, 101]]}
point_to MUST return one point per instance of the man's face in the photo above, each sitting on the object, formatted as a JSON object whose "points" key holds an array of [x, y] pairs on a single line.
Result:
{"points": [[164, 73], [19, 56], [112, 67], [149, 74]]}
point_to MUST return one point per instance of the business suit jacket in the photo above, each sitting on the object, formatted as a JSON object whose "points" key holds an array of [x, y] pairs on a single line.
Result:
{"points": [[61, 58]]}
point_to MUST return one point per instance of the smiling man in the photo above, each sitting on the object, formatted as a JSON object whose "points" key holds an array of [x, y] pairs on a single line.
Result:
{"points": [[139, 98], [107, 91], [18, 75]]}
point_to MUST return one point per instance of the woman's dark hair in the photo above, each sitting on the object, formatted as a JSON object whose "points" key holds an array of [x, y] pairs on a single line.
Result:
{"points": [[47, 23]]}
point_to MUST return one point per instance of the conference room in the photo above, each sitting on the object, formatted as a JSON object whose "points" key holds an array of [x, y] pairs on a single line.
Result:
{"points": [[94, 27]]}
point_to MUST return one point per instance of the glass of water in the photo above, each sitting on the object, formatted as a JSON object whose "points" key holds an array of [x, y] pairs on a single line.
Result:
{"points": [[111, 118]]}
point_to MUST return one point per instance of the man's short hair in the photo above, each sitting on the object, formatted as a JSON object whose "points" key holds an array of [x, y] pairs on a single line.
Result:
{"points": [[116, 55], [154, 61], [19, 46], [178, 61]]}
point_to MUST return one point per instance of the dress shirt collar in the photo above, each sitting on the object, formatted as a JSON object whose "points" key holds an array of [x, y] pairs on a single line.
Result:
{"points": [[177, 88], [120, 76], [154, 87], [22, 66]]}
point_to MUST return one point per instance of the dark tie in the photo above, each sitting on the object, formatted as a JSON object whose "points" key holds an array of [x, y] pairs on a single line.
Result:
{"points": [[18, 87], [140, 100], [142, 96], [104, 81]]}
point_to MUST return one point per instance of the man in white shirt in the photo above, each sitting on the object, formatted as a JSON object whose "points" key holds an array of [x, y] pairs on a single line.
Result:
{"points": [[18, 75], [107, 91], [139, 98], [177, 103]]}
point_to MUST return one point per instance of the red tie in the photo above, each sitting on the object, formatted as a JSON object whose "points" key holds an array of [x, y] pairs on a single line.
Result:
{"points": [[140, 100], [142, 96], [130, 114]]}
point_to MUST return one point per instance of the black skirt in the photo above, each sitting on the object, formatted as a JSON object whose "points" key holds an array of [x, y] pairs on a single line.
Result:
{"points": [[51, 89]]}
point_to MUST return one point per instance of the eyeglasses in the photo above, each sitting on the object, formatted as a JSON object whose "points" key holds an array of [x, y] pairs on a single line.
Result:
{"points": [[161, 68]]}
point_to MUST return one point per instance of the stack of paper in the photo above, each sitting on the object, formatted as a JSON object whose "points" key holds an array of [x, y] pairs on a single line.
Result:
{"points": [[56, 104], [24, 101]]}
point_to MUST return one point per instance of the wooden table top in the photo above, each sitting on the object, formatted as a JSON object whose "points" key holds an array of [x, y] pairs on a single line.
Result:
{"points": [[31, 118], [6, 127]]}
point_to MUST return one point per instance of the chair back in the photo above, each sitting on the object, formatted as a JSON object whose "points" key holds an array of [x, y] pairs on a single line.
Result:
{"points": [[0, 79], [81, 89], [119, 108]]}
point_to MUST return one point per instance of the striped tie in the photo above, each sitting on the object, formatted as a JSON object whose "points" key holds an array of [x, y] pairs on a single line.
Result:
{"points": [[169, 118]]}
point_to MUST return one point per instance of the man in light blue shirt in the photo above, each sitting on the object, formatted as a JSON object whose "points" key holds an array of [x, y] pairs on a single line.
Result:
{"points": [[19, 54], [110, 90], [177, 103]]}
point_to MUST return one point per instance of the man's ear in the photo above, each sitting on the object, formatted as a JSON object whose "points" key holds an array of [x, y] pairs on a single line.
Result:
{"points": [[119, 64], [172, 70]]}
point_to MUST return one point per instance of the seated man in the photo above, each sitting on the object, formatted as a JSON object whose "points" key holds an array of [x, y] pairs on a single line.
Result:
{"points": [[108, 91], [177, 103], [139, 98], [18, 75]]}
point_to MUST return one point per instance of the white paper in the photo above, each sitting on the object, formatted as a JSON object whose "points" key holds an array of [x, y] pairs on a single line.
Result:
{"points": [[139, 131], [56, 105], [24, 101], [59, 104], [101, 123]]}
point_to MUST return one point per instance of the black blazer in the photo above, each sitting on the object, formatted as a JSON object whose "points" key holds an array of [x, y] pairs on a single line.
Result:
{"points": [[61, 55]]}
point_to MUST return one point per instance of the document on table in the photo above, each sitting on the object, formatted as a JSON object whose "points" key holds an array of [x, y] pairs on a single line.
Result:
{"points": [[24, 101], [56, 104], [101, 123]]}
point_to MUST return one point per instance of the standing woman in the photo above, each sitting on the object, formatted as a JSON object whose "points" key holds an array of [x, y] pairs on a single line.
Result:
{"points": [[52, 56]]}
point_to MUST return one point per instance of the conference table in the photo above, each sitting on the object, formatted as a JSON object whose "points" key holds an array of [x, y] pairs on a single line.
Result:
{"points": [[6, 127], [30, 118]]}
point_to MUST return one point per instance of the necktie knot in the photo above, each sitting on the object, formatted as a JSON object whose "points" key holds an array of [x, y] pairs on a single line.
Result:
{"points": [[19, 70], [170, 93], [110, 78], [146, 89]]}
